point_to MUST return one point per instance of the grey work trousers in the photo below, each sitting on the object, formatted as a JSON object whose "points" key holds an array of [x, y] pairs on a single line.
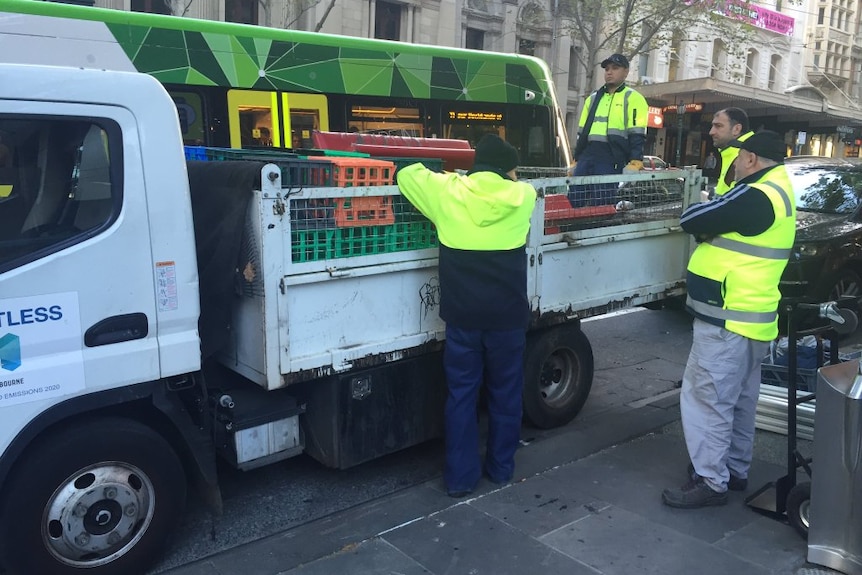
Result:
{"points": [[718, 402]]}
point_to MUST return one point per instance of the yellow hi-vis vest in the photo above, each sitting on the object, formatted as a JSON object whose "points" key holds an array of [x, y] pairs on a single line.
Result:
{"points": [[733, 279], [617, 116], [728, 154]]}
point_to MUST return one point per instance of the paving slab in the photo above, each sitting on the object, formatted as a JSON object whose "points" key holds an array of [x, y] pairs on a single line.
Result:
{"points": [[374, 557], [464, 540], [619, 542]]}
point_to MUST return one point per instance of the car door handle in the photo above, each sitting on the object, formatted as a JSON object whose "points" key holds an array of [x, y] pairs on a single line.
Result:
{"points": [[117, 328]]}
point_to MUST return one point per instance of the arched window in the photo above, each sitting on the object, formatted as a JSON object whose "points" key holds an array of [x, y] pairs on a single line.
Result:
{"points": [[151, 6], [774, 70], [752, 63], [533, 30], [241, 11], [675, 65], [719, 60], [387, 21]]}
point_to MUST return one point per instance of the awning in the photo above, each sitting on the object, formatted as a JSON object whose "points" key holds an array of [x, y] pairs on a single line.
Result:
{"points": [[799, 109]]}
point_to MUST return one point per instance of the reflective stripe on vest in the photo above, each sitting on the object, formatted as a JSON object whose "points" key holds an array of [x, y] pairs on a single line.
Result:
{"points": [[788, 207], [750, 250], [729, 314], [739, 274]]}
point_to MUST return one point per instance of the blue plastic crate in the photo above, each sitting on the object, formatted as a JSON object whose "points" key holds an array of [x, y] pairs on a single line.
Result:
{"points": [[196, 153]]}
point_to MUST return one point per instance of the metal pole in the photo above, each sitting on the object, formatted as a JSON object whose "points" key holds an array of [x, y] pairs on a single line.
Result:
{"points": [[680, 114]]}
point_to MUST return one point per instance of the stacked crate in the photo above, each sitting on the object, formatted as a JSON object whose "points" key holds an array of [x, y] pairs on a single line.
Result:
{"points": [[362, 225], [339, 227]]}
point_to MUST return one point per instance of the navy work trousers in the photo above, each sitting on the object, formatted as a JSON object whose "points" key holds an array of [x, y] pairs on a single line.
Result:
{"points": [[596, 160], [471, 357]]}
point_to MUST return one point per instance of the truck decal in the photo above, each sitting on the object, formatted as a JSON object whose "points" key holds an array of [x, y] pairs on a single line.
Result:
{"points": [[40, 341], [166, 285]]}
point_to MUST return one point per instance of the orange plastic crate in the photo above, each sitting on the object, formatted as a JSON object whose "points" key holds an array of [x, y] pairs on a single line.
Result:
{"points": [[366, 211], [348, 172]]}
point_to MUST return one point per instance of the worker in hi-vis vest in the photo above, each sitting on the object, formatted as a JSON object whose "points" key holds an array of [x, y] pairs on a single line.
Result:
{"points": [[729, 126], [745, 237], [611, 134], [482, 220]]}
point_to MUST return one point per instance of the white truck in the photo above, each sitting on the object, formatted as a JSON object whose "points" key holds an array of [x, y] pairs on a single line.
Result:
{"points": [[146, 329]]}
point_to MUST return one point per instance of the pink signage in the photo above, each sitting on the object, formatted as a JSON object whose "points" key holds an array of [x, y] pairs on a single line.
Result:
{"points": [[753, 14], [760, 17]]}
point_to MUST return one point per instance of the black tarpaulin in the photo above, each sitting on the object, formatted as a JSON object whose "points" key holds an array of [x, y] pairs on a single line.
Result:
{"points": [[220, 194]]}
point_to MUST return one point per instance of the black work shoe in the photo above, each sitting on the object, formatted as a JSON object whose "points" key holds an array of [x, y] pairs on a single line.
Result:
{"points": [[458, 493], [733, 484], [498, 480], [696, 493]]}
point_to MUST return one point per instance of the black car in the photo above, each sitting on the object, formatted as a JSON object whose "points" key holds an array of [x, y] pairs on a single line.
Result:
{"points": [[827, 256]]}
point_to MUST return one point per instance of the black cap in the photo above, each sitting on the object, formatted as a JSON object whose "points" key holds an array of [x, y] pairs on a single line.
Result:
{"points": [[765, 144], [495, 152], [617, 59]]}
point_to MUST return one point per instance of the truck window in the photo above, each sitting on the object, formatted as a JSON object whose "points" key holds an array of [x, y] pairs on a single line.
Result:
{"points": [[55, 185]]}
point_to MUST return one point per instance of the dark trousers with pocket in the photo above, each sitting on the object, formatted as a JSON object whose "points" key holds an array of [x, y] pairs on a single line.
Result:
{"points": [[473, 357]]}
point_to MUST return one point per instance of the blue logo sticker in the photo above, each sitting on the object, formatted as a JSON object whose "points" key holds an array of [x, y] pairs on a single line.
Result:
{"points": [[10, 352]]}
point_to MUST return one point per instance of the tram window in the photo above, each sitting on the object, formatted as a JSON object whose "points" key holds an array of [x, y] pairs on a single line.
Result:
{"points": [[302, 124], [255, 126], [253, 119], [471, 123], [191, 115], [531, 134], [389, 120], [303, 114]]}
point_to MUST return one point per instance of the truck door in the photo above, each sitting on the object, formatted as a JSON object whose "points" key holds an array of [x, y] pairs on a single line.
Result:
{"points": [[77, 296]]}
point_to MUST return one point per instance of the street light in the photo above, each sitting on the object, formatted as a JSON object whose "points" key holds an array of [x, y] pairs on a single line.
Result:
{"points": [[680, 113]]}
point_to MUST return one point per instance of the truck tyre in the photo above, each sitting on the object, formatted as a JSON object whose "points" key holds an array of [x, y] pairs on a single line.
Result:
{"points": [[799, 507], [99, 497], [558, 375]]}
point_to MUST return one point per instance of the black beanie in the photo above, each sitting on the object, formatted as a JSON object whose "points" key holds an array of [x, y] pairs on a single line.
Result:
{"points": [[495, 152]]}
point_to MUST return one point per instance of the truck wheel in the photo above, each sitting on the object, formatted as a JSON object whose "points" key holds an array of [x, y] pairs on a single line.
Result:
{"points": [[98, 498], [558, 375], [799, 507]]}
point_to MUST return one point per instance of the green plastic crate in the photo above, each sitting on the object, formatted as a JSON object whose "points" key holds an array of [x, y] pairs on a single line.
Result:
{"points": [[314, 244]]}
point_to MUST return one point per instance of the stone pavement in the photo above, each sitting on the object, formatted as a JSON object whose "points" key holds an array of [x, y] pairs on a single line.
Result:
{"points": [[598, 513]]}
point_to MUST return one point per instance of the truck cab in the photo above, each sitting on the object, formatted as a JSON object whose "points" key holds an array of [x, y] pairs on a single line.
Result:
{"points": [[98, 309]]}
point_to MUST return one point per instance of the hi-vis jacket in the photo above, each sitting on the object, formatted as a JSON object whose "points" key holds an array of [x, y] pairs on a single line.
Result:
{"points": [[728, 154], [620, 120], [733, 275], [482, 222]]}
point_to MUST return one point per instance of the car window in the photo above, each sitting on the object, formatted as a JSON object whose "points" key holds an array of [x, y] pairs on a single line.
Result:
{"points": [[831, 189]]}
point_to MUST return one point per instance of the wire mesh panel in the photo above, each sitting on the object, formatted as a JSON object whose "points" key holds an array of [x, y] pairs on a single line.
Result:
{"points": [[599, 201]]}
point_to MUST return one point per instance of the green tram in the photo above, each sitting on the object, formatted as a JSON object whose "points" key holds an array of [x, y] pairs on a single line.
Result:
{"points": [[240, 86]]}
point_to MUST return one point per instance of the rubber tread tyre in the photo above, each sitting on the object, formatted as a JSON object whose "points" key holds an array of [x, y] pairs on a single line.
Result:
{"points": [[49, 464], [558, 376]]}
